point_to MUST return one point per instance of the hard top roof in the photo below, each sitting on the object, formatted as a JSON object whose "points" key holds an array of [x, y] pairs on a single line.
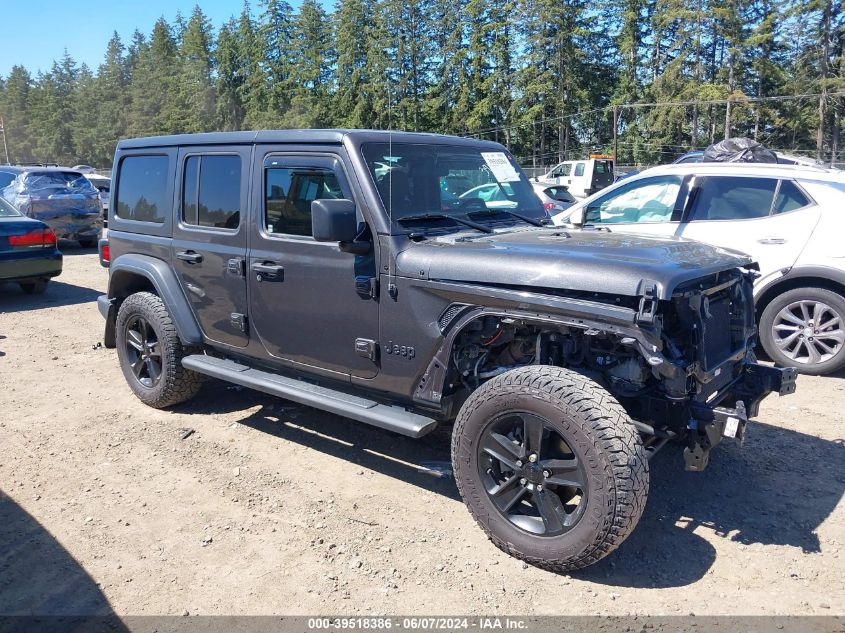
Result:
{"points": [[297, 136]]}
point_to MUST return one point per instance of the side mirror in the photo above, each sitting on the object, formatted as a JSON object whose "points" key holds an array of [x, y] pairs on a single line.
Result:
{"points": [[334, 221]]}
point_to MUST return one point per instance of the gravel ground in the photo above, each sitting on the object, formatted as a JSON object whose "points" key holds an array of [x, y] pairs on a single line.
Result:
{"points": [[273, 508]]}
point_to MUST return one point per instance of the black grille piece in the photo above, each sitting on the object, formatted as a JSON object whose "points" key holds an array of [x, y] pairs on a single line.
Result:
{"points": [[449, 315]]}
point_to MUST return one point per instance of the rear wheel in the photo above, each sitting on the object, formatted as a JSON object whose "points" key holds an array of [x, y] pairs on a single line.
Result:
{"points": [[805, 328], [550, 467], [150, 352], [34, 287], [88, 242]]}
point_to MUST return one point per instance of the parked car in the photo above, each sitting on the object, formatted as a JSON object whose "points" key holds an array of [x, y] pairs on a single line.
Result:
{"points": [[555, 198], [28, 253], [581, 177], [293, 263], [103, 185], [64, 199], [788, 218]]}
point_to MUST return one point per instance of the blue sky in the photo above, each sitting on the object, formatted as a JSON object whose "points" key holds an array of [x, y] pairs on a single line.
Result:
{"points": [[36, 32]]}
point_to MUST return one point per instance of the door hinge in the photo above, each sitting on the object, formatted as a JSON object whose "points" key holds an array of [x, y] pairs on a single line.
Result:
{"points": [[366, 286], [238, 321], [367, 348], [237, 266]]}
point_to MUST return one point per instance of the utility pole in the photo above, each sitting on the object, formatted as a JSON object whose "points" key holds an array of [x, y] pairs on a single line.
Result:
{"points": [[5, 144], [615, 137]]}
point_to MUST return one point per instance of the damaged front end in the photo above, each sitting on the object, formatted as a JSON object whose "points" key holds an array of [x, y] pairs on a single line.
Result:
{"points": [[711, 383]]}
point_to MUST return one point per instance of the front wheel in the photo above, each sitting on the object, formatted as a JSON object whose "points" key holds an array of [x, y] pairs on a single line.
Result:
{"points": [[550, 466], [805, 328], [34, 287], [150, 352]]}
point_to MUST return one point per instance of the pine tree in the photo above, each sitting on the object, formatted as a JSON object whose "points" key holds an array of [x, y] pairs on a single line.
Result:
{"points": [[14, 107], [311, 76], [195, 87]]}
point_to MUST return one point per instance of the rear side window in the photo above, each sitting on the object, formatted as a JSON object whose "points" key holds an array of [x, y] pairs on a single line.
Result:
{"points": [[142, 188], [289, 192], [789, 198], [211, 191], [734, 198], [579, 169]]}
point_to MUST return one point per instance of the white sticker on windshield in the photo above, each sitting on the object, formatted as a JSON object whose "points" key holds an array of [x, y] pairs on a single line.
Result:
{"points": [[500, 166]]}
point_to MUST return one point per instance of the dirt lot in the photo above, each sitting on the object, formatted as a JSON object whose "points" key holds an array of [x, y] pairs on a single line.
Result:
{"points": [[270, 507]]}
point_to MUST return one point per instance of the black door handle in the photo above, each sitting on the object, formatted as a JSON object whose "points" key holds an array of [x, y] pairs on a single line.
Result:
{"points": [[189, 256], [268, 269]]}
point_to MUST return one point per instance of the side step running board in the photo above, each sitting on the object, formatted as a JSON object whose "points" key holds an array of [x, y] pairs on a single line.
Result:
{"points": [[383, 416]]}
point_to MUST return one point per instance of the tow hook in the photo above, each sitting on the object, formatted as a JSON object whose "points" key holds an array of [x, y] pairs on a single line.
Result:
{"points": [[708, 428]]}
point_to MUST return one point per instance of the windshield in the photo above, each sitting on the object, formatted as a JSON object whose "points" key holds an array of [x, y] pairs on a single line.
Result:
{"points": [[419, 179], [58, 180], [7, 210]]}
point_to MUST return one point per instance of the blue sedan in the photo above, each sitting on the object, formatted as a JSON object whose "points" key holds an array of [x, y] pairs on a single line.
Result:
{"points": [[28, 252]]}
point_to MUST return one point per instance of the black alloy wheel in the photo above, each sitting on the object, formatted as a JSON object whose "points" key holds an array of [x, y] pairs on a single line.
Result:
{"points": [[143, 351], [531, 474]]}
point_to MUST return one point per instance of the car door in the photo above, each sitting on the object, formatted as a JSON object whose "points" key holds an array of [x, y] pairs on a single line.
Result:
{"points": [[652, 205], [769, 218], [209, 239], [310, 303]]}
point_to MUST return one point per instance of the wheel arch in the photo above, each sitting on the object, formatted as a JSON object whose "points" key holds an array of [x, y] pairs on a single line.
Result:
{"points": [[133, 273], [803, 277]]}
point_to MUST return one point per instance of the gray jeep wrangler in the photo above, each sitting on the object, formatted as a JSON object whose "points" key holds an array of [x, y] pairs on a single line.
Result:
{"points": [[410, 281]]}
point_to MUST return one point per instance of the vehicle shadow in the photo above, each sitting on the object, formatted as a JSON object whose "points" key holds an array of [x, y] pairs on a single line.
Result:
{"points": [[38, 577], [776, 490], [425, 462], [58, 293]]}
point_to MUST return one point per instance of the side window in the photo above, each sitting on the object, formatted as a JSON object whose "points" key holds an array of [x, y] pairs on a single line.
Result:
{"points": [[288, 194], [646, 200], [789, 198], [734, 198], [562, 170], [579, 169], [142, 188], [211, 191]]}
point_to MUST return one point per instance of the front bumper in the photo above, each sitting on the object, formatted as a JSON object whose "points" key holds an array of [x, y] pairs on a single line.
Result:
{"points": [[710, 422]]}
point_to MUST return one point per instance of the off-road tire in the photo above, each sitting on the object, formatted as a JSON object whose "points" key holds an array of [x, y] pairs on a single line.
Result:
{"points": [[176, 384], [770, 313], [34, 287], [601, 434]]}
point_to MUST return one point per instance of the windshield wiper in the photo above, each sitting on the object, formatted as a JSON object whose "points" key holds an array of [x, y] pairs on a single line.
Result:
{"points": [[426, 217], [491, 212]]}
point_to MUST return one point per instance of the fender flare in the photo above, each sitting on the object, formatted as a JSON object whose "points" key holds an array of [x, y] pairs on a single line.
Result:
{"points": [[827, 273], [159, 273]]}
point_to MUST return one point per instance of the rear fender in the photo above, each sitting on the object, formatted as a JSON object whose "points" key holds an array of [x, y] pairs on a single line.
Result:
{"points": [[132, 273]]}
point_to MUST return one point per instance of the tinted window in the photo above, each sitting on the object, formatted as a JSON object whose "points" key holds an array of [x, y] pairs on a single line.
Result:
{"points": [[289, 192], [789, 198], [646, 200], [142, 188], [579, 169], [212, 191], [734, 198]]}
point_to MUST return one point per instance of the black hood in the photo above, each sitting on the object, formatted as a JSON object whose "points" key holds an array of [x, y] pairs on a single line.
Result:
{"points": [[578, 260]]}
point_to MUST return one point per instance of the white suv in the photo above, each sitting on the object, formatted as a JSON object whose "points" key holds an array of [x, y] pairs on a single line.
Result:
{"points": [[790, 218]]}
